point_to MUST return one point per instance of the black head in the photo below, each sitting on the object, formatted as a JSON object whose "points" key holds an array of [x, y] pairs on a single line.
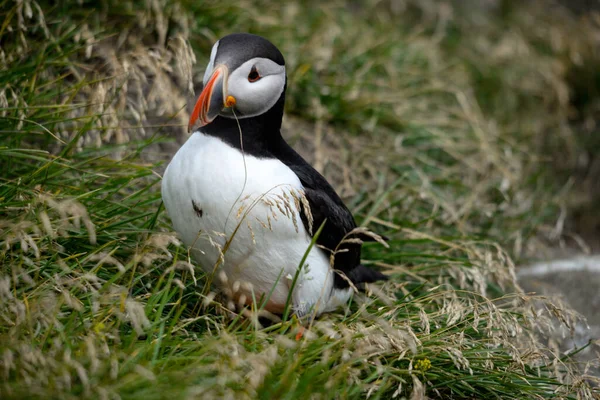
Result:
{"points": [[245, 78], [235, 49]]}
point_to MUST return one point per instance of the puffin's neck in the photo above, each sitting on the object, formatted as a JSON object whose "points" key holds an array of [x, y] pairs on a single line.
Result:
{"points": [[260, 134]]}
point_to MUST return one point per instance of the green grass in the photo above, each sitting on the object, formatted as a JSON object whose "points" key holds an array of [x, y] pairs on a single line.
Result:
{"points": [[431, 143]]}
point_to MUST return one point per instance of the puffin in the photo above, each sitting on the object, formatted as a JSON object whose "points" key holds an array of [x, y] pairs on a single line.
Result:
{"points": [[247, 205]]}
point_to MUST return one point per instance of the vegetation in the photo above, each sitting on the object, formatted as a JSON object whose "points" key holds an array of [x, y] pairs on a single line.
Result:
{"points": [[441, 128]]}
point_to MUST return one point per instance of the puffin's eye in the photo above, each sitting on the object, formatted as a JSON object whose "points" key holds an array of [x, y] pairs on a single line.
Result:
{"points": [[253, 76]]}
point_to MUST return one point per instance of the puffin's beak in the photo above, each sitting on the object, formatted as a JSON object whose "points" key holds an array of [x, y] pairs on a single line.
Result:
{"points": [[211, 100]]}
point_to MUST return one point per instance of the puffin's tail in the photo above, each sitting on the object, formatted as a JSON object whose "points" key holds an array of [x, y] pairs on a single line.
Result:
{"points": [[361, 275]]}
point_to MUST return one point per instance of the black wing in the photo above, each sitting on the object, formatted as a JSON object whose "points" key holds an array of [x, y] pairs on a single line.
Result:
{"points": [[326, 205]]}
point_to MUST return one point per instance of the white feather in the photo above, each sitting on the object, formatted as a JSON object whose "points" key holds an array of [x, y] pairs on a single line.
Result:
{"points": [[211, 63], [267, 245]]}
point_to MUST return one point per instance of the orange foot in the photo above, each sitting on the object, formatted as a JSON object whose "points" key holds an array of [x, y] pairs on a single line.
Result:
{"points": [[300, 333]]}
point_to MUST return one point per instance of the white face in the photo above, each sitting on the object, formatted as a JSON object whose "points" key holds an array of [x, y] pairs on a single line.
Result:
{"points": [[256, 85]]}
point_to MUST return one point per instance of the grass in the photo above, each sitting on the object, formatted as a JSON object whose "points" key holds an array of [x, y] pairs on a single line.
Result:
{"points": [[431, 141]]}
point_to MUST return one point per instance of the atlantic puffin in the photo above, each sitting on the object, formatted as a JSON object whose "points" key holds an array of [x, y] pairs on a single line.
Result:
{"points": [[246, 204]]}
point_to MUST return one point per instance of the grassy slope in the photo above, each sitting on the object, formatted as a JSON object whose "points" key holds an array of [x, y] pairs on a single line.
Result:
{"points": [[98, 300]]}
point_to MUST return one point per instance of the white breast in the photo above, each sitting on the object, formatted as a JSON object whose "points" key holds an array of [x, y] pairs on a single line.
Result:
{"points": [[248, 202]]}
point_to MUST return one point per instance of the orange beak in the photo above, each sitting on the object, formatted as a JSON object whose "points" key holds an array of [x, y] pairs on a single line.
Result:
{"points": [[211, 100]]}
